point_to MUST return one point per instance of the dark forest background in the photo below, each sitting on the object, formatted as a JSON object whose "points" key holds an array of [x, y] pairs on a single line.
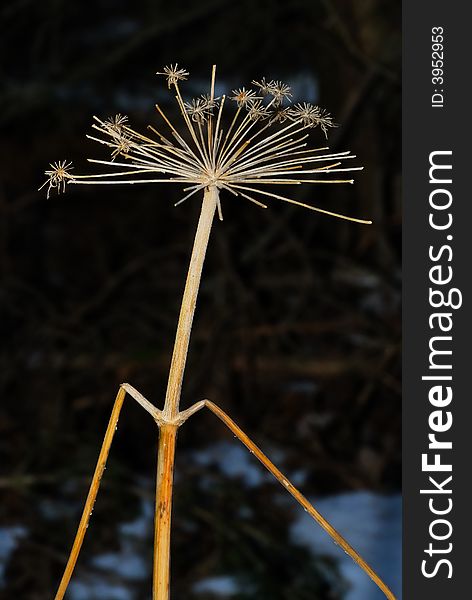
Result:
{"points": [[297, 330]]}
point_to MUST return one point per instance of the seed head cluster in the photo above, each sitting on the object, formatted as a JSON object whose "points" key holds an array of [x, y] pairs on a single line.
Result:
{"points": [[244, 143]]}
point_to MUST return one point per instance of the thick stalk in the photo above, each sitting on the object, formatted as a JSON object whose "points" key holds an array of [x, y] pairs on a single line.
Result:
{"points": [[169, 424], [165, 479], [189, 300]]}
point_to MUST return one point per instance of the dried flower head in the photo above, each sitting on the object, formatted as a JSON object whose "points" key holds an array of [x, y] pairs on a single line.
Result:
{"points": [[265, 87], [280, 92], [122, 146], [312, 116], [256, 111], [173, 74], [209, 103], [242, 96], [115, 124], [325, 120], [281, 115], [306, 112], [256, 150], [198, 109], [58, 176]]}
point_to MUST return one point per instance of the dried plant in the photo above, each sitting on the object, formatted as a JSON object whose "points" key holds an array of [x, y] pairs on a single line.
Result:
{"points": [[252, 154], [264, 144]]}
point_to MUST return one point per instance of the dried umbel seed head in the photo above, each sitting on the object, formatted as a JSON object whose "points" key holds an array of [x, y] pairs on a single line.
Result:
{"points": [[197, 109], [242, 96], [122, 146], [115, 124], [325, 120], [312, 116], [265, 87], [209, 103], [308, 113], [58, 176], [280, 92], [256, 111], [173, 74], [261, 145]]}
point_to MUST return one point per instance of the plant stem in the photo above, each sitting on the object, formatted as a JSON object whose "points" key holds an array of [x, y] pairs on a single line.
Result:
{"points": [[92, 495], [309, 508], [170, 413], [165, 477], [187, 310]]}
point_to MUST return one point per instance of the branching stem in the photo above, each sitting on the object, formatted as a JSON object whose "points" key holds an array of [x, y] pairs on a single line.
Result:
{"points": [[170, 419], [309, 508], [92, 495], [164, 486]]}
